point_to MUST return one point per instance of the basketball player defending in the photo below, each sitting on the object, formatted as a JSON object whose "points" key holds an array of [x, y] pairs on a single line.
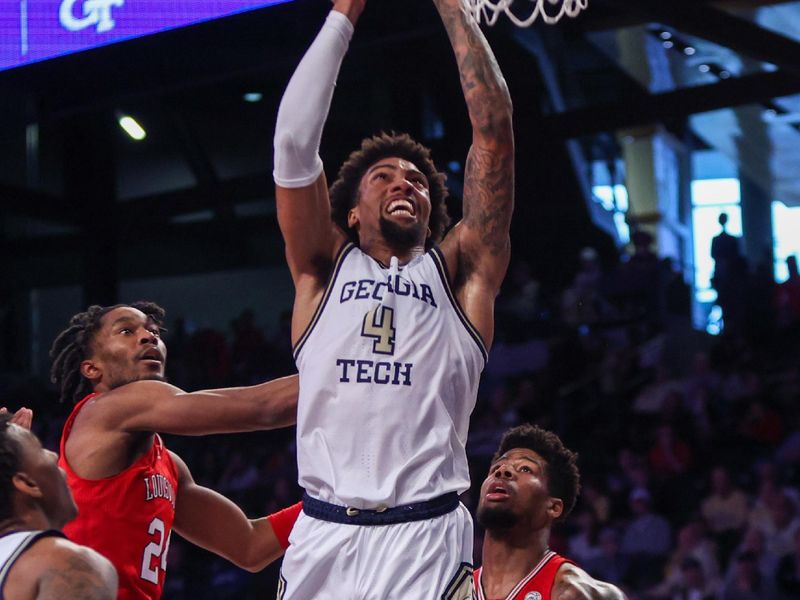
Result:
{"points": [[532, 483], [131, 491], [36, 561], [390, 328]]}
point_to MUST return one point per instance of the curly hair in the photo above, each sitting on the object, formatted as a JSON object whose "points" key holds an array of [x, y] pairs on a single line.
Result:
{"points": [[344, 191], [9, 466], [73, 345], [564, 480]]}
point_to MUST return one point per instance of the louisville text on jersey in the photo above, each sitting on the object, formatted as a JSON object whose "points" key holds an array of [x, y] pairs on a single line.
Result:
{"points": [[158, 486]]}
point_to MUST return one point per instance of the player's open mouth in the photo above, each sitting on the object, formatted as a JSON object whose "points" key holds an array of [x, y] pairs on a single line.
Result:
{"points": [[402, 207], [497, 492], [152, 356]]}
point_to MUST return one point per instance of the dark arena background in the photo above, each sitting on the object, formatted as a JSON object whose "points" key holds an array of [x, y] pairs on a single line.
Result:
{"points": [[637, 125]]}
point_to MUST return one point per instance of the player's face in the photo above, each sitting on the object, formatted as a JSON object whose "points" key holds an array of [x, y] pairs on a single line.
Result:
{"points": [[40, 471], [515, 492], [127, 347], [394, 202]]}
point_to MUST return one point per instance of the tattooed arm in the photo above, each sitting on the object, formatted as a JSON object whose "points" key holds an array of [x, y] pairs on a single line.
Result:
{"points": [[55, 568], [477, 249]]}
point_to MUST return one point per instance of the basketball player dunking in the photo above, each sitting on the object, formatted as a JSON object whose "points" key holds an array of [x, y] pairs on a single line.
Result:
{"points": [[390, 328]]}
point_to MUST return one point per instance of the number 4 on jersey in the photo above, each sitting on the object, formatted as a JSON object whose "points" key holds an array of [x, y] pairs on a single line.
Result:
{"points": [[379, 325]]}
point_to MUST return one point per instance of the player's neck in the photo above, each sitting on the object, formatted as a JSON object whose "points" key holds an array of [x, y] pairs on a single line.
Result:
{"points": [[382, 251], [30, 521], [508, 557]]}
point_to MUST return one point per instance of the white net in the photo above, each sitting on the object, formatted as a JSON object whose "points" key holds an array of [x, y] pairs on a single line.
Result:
{"points": [[549, 11]]}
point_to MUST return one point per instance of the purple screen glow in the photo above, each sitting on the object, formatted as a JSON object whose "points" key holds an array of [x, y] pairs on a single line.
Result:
{"points": [[34, 30]]}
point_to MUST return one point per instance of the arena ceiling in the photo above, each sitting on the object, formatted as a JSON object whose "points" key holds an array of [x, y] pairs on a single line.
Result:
{"points": [[83, 203]]}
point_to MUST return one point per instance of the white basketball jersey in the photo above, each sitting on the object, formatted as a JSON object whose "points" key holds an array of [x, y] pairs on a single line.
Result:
{"points": [[12, 546], [389, 370]]}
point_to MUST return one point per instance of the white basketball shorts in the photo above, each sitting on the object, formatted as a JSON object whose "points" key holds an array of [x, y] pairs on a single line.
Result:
{"points": [[420, 560]]}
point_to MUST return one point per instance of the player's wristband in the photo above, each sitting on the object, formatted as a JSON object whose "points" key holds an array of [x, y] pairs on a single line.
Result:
{"points": [[283, 521]]}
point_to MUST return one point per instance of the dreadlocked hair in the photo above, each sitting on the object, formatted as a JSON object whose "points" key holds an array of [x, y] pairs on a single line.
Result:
{"points": [[9, 466], [563, 477], [344, 191], [73, 345]]}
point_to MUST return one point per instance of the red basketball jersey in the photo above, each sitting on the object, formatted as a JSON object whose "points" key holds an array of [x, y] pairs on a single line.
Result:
{"points": [[536, 585], [127, 517]]}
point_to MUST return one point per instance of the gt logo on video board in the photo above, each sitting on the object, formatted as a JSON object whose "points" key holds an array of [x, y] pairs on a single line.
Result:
{"points": [[34, 30], [94, 13]]}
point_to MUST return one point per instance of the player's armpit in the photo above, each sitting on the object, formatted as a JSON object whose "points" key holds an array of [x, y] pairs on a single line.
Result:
{"points": [[158, 406], [312, 240], [211, 521], [76, 573]]}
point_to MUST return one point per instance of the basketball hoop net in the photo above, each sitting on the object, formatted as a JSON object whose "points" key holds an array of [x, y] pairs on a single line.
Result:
{"points": [[550, 11]]}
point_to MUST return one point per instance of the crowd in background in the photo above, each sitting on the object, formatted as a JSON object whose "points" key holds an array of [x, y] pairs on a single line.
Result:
{"points": [[689, 444]]}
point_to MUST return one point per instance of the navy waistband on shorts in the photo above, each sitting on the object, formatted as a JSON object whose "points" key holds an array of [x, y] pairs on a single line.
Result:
{"points": [[404, 513]]}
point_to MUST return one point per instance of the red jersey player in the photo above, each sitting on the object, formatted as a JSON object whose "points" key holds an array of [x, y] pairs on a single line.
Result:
{"points": [[130, 490], [36, 562], [533, 482]]}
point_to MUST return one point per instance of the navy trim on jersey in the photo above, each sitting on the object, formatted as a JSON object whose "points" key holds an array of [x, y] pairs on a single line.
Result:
{"points": [[25, 544], [462, 578], [281, 586], [441, 267], [405, 513], [344, 251]]}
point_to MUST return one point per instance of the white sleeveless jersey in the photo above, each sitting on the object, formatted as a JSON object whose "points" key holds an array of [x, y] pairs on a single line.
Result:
{"points": [[389, 370], [13, 545]]}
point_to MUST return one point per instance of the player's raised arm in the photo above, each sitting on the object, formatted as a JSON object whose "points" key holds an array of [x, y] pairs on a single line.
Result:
{"points": [[213, 522], [304, 213], [478, 248]]}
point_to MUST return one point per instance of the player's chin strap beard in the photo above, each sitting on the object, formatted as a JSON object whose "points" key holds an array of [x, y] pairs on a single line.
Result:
{"points": [[497, 519], [401, 237], [148, 377]]}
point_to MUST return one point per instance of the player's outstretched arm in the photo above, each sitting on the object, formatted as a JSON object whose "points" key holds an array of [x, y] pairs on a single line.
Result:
{"points": [[301, 193], [65, 570], [478, 248], [211, 521], [573, 583], [159, 406]]}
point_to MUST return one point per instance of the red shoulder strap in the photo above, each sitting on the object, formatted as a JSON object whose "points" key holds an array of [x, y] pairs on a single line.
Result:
{"points": [[71, 419], [547, 576]]}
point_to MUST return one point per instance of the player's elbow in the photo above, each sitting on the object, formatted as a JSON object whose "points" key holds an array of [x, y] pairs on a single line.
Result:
{"points": [[284, 141], [254, 562], [278, 406], [296, 160], [494, 131], [504, 108], [251, 566], [274, 415], [293, 142]]}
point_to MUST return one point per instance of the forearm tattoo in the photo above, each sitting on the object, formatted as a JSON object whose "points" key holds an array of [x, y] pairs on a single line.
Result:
{"points": [[489, 172]]}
